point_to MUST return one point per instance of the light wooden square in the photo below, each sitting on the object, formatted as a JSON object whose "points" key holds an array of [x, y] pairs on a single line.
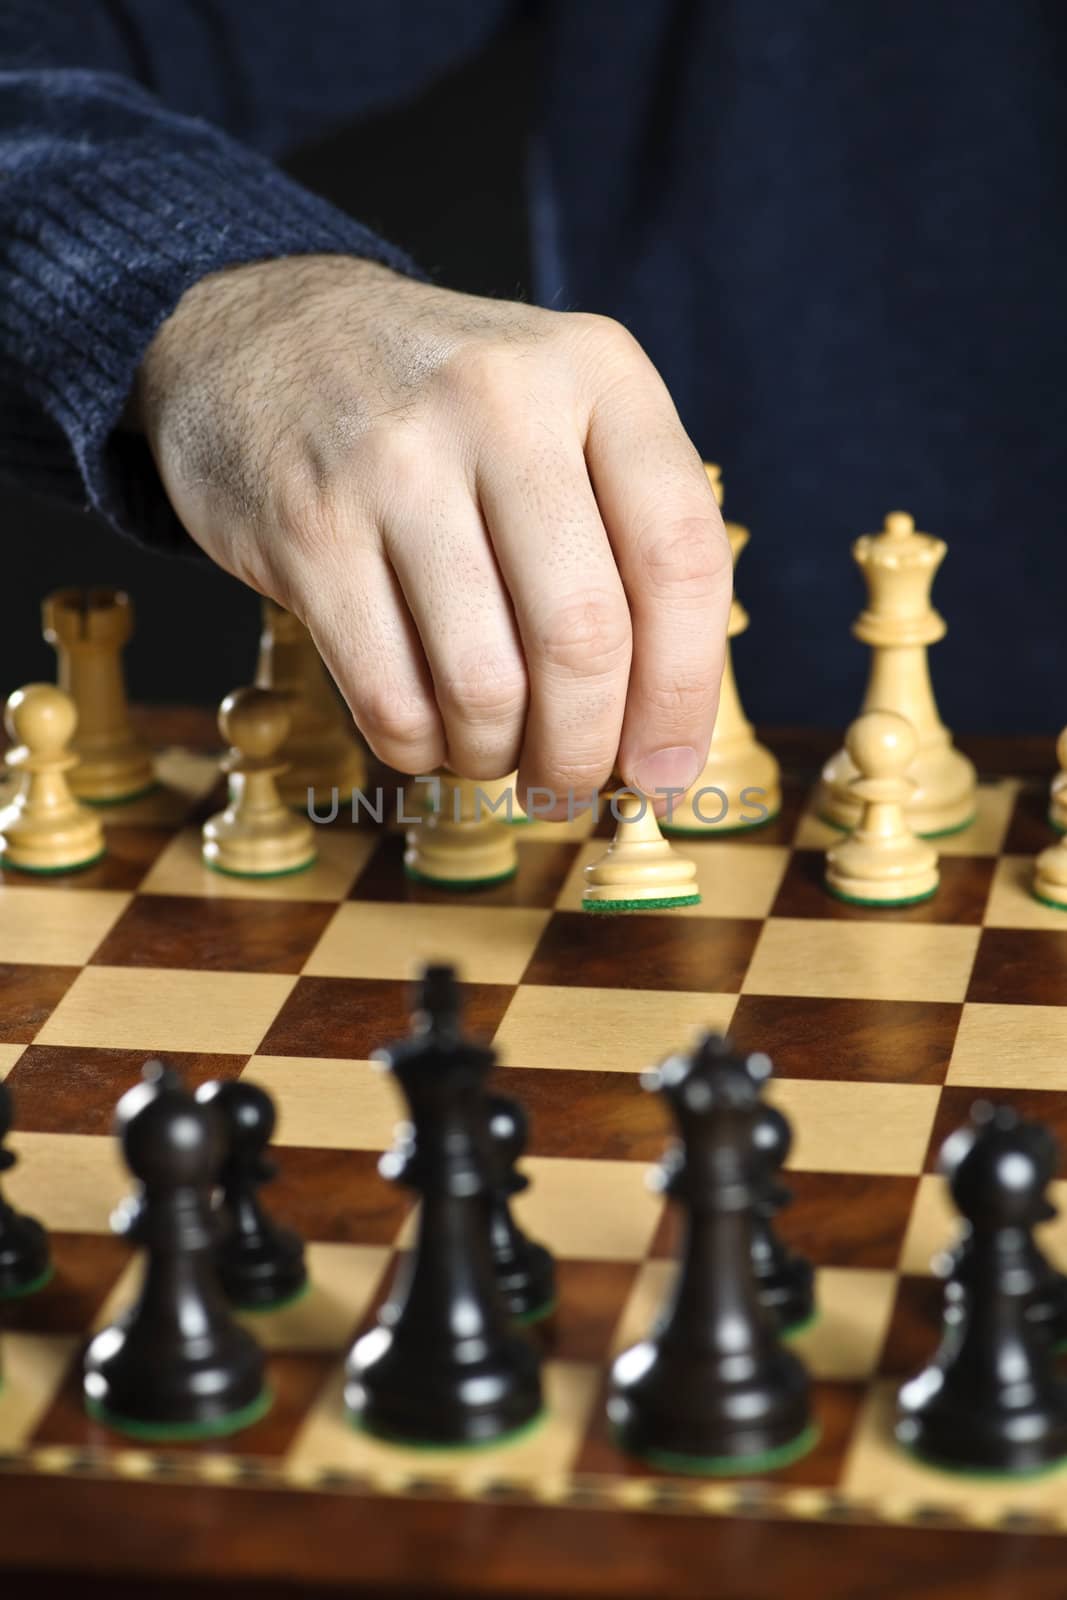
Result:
{"points": [[544, 1454], [857, 1127], [9, 1054], [340, 1105], [735, 880], [935, 1226], [877, 1469], [843, 1343], [589, 1210], [862, 960], [70, 1182], [342, 855], [488, 944], [167, 1008], [1011, 901], [1010, 1047], [56, 929], [342, 1281], [34, 1368], [604, 1030]]}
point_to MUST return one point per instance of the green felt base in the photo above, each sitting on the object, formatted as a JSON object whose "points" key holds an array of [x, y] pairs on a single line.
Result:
{"points": [[286, 872], [52, 872], [793, 1330], [119, 799], [1054, 825], [664, 904], [181, 1432], [734, 1466], [34, 1286], [462, 1447], [538, 1314], [714, 829], [1057, 905], [880, 905], [462, 885], [265, 1308], [937, 833], [985, 1474]]}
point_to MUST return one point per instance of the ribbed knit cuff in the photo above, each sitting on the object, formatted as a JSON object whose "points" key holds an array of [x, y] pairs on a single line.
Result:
{"points": [[99, 261]]}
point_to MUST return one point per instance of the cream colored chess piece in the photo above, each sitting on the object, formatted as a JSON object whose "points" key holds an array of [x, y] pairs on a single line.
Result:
{"points": [[899, 624], [257, 836], [640, 870], [1050, 875], [461, 844], [88, 629], [321, 748], [882, 862], [1057, 805], [44, 828], [740, 784]]}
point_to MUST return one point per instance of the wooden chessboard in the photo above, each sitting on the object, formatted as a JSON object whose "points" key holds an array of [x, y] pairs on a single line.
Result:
{"points": [[883, 1027]]}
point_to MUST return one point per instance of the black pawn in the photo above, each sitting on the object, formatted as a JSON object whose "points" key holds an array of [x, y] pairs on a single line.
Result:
{"points": [[991, 1399], [712, 1389], [25, 1263], [525, 1270], [784, 1279], [260, 1263], [175, 1365], [446, 1364]]}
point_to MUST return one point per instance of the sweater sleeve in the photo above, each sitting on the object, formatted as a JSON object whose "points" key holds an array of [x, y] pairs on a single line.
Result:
{"points": [[113, 201]]}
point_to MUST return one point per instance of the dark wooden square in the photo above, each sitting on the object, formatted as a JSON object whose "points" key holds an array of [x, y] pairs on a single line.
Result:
{"points": [[189, 931], [28, 996], [1029, 829], [1020, 966], [68, 1089], [645, 950], [873, 1041], [86, 1267], [129, 852], [543, 869], [1041, 1105], [592, 1296], [588, 1114], [337, 1196], [294, 1381], [961, 896], [348, 1018], [914, 1327]]}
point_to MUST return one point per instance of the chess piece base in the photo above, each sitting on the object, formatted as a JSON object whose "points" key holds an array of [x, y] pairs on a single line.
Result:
{"points": [[68, 842], [340, 771], [113, 778], [273, 848], [394, 1398], [215, 1427], [157, 1394], [25, 1261], [740, 781], [460, 855], [265, 1278], [1009, 1444]]}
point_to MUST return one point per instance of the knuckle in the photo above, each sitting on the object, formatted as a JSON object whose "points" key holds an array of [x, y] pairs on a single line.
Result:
{"points": [[393, 724], [483, 690], [684, 558], [605, 333], [393, 459], [577, 775], [685, 698], [588, 635]]}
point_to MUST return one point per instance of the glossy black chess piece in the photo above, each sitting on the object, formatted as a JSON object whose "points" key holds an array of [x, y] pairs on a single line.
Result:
{"points": [[447, 1363], [175, 1365], [525, 1270], [712, 1388], [261, 1264], [991, 1399], [784, 1279], [25, 1259]]}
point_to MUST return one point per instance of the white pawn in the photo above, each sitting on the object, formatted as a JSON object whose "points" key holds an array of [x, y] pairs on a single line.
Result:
{"points": [[257, 836], [882, 862], [639, 871], [44, 828], [462, 845], [1057, 805]]}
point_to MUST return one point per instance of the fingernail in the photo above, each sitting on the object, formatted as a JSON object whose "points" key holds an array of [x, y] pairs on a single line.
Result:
{"points": [[677, 767]]}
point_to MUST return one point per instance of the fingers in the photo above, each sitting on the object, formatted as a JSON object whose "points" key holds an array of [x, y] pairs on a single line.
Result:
{"points": [[363, 630], [675, 563], [453, 589], [570, 608]]}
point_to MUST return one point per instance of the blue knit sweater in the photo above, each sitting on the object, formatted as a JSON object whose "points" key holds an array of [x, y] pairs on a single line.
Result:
{"points": [[839, 229]]}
